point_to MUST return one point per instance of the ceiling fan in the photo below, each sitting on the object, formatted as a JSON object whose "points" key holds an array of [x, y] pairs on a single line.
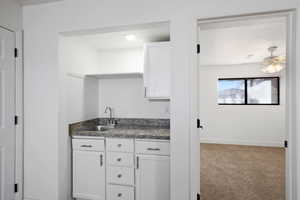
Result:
{"points": [[273, 64]]}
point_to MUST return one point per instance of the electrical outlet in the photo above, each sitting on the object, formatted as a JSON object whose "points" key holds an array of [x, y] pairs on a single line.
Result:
{"points": [[167, 109]]}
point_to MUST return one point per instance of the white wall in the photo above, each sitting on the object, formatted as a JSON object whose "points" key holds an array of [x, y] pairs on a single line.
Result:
{"points": [[11, 14], [121, 61], [43, 126], [126, 97], [79, 98], [82, 99], [124, 94], [239, 124], [76, 60]]}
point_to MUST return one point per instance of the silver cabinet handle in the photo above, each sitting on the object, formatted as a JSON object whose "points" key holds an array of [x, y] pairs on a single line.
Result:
{"points": [[137, 162], [153, 149], [119, 159], [119, 175], [101, 160], [87, 146], [145, 92], [120, 194]]}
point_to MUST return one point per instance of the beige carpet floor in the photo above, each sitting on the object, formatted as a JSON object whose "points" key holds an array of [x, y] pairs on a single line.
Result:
{"points": [[233, 172]]}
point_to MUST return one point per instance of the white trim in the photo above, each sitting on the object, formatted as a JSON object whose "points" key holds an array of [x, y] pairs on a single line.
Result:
{"points": [[109, 29], [76, 75], [19, 112], [194, 112], [291, 165], [291, 105], [248, 16], [115, 75], [296, 187], [35, 2], [241, 142]]}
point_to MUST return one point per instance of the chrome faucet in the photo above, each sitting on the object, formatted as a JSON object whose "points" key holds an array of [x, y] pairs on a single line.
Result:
{"points": [[110, 120]]}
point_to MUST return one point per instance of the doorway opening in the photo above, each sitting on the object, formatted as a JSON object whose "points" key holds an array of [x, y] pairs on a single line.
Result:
{"points": [[115, 81], [244, 88]]}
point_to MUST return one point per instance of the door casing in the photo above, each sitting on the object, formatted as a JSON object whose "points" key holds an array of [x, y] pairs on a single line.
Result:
{"points": [[291, 102], [19, 78]]}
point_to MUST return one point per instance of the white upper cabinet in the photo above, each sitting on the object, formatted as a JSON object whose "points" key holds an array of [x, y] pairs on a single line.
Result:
{"points": [[157, 70]]}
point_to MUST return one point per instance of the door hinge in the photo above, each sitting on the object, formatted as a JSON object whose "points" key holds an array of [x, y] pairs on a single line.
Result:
{"points": [[16, 188], [198, 48], [16, 52], [198, 196], [285, 143], [16, 120], [199, 124]]}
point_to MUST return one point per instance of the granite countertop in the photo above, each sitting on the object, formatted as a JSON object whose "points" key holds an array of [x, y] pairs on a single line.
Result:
{"points": [[127, 128], [138, 133]]}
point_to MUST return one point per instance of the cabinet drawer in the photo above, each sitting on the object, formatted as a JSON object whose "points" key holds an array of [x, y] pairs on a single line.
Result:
{"points": [[120, 159], [121, 175], [120, 145], [88, 145], [154, 148], [117, 192]]}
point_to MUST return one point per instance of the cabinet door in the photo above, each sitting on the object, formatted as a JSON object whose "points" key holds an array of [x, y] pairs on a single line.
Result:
{"points": [[157, 70], [152, 177], [89, 175]]}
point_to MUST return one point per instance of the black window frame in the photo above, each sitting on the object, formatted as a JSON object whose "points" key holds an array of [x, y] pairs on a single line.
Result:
{"points": [[246, 90]]}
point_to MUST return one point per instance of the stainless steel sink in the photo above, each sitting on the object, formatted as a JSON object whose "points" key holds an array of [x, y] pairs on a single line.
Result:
{"points": [[104, 127]]}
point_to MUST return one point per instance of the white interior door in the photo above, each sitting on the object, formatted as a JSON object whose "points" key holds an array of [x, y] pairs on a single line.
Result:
{"points": [[7, 113]]}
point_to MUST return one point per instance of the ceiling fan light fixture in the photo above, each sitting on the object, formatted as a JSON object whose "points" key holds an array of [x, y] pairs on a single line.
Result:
{"points": [[273, 64], [272, 68]]}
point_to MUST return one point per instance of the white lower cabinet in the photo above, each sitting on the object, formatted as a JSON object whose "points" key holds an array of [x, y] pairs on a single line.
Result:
{"points": [[152, 177], [89, 175], [132, 169], [120, 169]]}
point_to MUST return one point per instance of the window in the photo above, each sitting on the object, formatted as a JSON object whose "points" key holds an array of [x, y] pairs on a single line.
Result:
{"points": [[249, 91], [231, 91]]}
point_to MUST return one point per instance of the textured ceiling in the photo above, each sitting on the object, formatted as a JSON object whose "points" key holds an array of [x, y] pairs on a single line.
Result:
{"points": [[117, 39], [241, 42]]}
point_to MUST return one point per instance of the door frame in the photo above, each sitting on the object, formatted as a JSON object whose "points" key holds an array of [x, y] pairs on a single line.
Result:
{"points": [[291, 102], [19, 131]]}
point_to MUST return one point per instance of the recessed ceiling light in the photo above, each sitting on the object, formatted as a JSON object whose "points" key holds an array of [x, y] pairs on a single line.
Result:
{"points": [[130, 37]]}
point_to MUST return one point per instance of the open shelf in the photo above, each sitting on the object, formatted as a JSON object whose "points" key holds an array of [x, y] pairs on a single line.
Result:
{"points": [[116, 75]]}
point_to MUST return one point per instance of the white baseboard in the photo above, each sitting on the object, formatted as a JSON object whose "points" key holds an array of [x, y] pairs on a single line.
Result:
{"points": [[242, 142]]}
